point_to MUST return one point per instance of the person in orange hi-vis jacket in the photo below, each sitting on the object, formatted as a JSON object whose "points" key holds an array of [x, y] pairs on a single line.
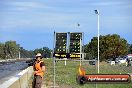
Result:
{"points": [[39, 69]]}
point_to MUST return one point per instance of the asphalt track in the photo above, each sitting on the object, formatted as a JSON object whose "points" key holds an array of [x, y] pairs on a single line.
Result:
{"points": [[10, 69]]}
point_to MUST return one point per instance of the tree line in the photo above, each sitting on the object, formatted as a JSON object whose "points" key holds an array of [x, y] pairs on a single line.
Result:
{"points": [[10, 50], [111, 47]]}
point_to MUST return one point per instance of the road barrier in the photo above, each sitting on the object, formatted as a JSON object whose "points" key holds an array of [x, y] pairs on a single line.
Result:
{"points": [[7, 60], [21, 80], [130, 75]]}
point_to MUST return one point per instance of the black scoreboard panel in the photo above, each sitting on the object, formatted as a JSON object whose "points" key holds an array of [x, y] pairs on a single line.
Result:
{"points": [[60, 55], [75, 42], [67, 55], [61, 43]]}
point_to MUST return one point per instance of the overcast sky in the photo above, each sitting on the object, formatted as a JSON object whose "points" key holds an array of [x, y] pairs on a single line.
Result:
{"points": [[32, 22]]}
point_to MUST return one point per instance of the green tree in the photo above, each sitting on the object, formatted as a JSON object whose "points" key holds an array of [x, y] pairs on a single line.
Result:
{"points": [[130, 48], [111, 46], [45, 51], [26, 53], [11, 49], [91, 49], [2, 53]]}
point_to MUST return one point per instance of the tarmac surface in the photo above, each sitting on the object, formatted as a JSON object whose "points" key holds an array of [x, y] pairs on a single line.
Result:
{"points": [[10, 69]]}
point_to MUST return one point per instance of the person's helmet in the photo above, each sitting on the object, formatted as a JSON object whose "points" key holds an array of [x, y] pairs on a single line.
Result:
{"points": [[38, 55]]}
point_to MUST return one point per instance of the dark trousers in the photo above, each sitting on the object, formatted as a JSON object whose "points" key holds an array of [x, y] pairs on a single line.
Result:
{"points": [[37, 82]]}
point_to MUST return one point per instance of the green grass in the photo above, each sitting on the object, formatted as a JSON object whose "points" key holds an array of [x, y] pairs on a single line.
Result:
{"points": [[66, 75]]}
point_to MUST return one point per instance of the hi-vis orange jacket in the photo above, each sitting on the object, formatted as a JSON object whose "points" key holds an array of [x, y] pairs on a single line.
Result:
{"points": [[39, 69]]}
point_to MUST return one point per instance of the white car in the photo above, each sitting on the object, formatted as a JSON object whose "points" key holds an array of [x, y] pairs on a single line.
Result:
{"points": [[130, 61], [117, 60], [122, 60]]}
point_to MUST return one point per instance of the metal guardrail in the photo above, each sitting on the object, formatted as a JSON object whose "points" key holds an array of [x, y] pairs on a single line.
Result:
{"points": [[73, 60]]}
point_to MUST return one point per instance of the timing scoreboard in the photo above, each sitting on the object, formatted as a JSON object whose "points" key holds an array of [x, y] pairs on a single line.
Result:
{"points": [[68, 45], [61, 42], [60, 49], [75, 40]]}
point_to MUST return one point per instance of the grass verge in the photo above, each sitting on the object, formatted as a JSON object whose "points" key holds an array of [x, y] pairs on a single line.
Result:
{"points": [[66, 75]]}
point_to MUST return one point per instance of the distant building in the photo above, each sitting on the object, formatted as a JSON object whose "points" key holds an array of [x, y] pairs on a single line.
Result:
{"points": [[129, 55]]}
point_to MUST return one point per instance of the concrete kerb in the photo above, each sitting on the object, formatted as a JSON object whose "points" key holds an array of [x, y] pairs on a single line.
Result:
{"points": [[20, 80], [130, 75]]}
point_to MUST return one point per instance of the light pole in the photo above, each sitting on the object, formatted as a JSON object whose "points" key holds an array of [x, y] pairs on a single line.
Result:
{"points": [[97, 12], [19, 54], [80, 44], [54, 42]]}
